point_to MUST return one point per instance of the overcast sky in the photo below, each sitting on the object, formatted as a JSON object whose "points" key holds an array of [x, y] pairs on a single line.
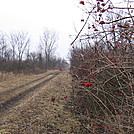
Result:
{"points": [[33, 15]]}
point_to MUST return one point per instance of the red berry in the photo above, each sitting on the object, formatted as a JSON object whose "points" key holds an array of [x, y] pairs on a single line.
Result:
{"points": [[82, 84], [98, 9], [103, 4], [96, 30], [53, 99], [95, 73], [65, 97], [103, 127], [88, 71], [102, 22], [60, 69], [103, 10], [116, 93], [108, 42], [82, 2], [80, 69], [88, 84], [114, 61], [110, 58], [113, 27]]}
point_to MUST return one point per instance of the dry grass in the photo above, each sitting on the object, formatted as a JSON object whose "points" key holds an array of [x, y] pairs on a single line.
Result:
{"points": [[37, 114], [10, 80], [7, 97]]}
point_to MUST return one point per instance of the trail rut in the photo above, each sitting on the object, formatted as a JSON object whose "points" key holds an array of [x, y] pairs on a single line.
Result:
{"points": [[12, 101]]}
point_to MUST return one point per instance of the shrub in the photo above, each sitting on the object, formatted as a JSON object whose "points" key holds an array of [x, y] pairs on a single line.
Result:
{"points": [[104, 57]]}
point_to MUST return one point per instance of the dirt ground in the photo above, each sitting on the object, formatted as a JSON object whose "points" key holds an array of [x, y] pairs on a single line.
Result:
{"points": [[42, 111]]}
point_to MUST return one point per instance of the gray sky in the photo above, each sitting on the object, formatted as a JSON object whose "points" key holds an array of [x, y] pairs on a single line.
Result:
{"points": [[33, 15]]}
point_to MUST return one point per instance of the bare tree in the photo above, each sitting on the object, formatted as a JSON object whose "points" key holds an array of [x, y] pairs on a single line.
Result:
{"points": [[4, 51], [48, 43], [3, 45], [19, 42]]}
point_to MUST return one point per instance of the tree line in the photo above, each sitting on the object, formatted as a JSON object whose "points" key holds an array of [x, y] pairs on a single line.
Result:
{"points": [[16, 56]]}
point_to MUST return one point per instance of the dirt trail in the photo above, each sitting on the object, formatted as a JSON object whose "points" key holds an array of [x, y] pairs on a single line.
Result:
{"points": [[15, 99], [33, 111], [23, 85]]}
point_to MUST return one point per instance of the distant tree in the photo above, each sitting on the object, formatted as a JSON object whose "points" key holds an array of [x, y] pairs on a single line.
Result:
{"points": [[3, 45], [48, 43], [4, 51], [19, 43], [16, 57]]}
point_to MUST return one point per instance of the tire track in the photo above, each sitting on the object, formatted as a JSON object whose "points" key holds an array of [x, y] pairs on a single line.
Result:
{"points": [[21, 86], [11, 102]]}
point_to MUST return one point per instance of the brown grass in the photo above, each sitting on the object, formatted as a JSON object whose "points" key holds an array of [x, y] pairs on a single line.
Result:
{"points": [[38, 114], [7, 97], [10, 80]]}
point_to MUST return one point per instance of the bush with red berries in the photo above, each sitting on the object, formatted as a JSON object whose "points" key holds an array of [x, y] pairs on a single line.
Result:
{"points": [[102, 68]]}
